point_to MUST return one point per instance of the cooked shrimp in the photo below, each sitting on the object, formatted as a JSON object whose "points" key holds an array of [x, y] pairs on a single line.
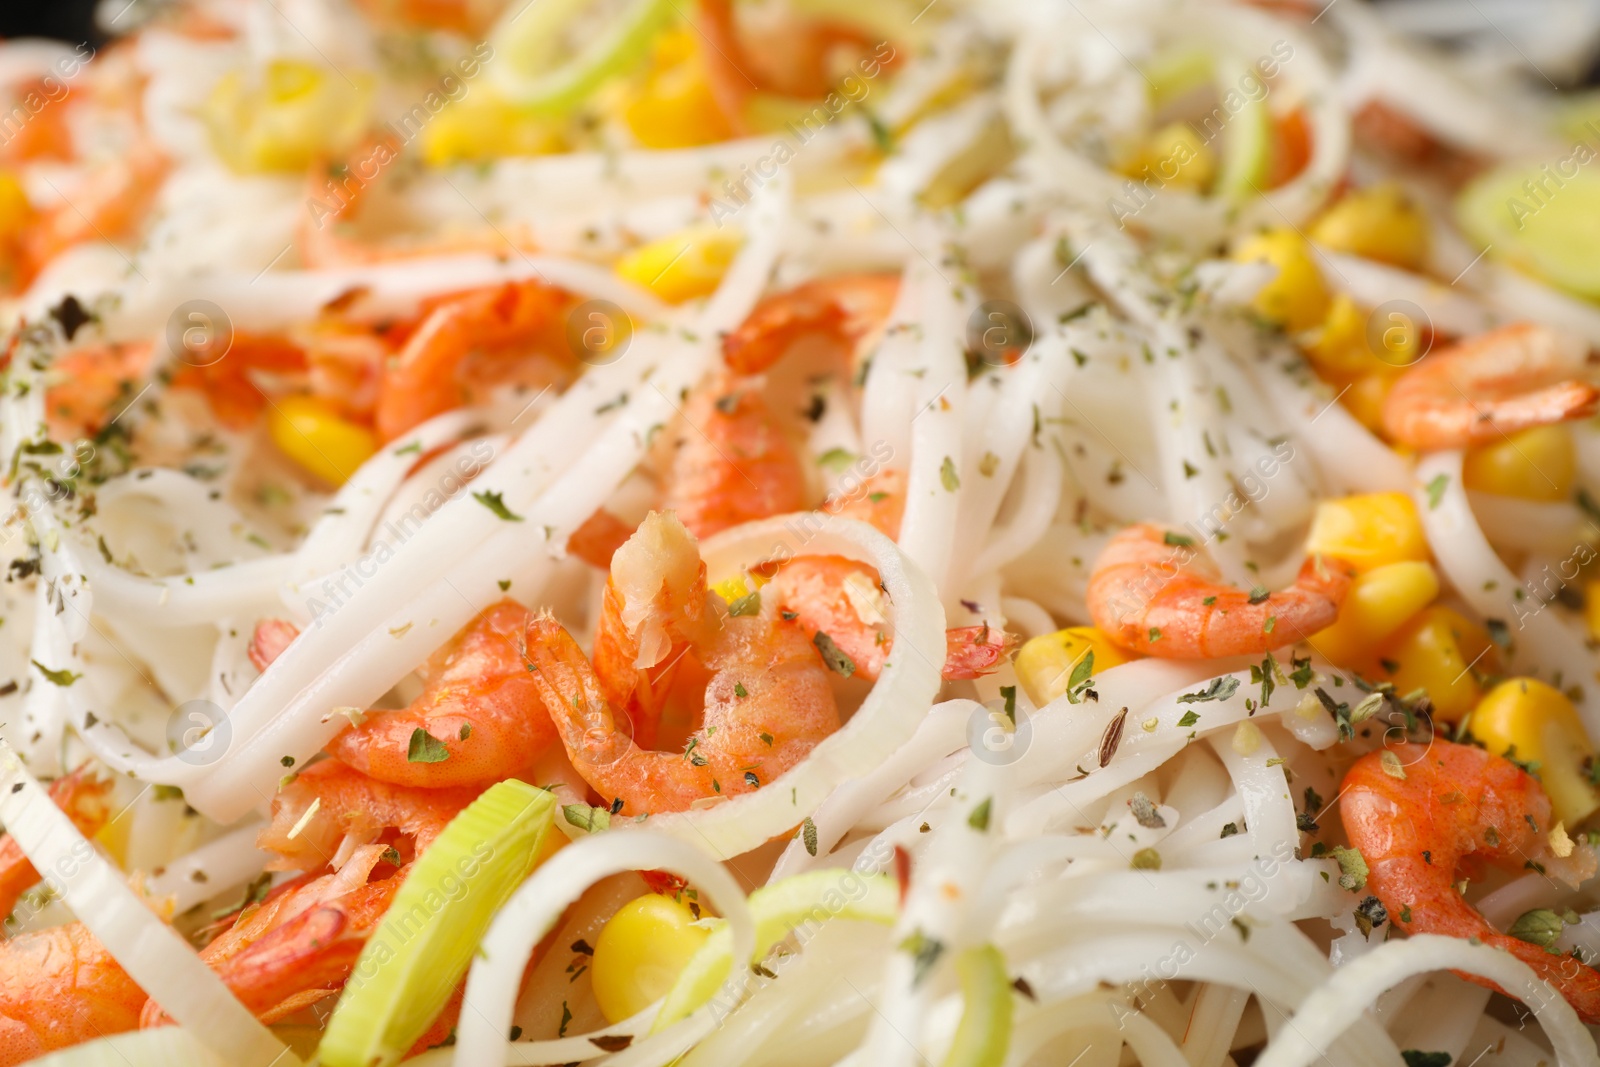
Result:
{"points": [[106, 205], [231, 381], [83, 797], [852, 309], [60, 987], [478, 703], [1152, 593], [431, 373], [880, 502], [731, 462], [1477, 391], [655, 608], [329, 809], [1421, 831], [840, 598], [93, 384], [598, 539], [767, 704], [269, 641]]}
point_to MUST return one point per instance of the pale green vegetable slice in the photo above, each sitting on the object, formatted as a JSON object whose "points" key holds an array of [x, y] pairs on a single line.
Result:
{"points": [[551, 55], [1543, 218], [426, 940], [984, 1034], [777, 910], [1246, 139], [1176, 72]]}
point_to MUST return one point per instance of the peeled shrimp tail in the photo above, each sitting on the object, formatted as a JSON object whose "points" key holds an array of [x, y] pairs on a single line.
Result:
{"points": [[85, 800], [479, 716], [852, 308]]}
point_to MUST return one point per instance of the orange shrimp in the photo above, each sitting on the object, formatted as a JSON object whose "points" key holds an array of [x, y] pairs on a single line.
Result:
{"points": [[598, 538], [767, 704], [60, 987], [1453, 808], [328, 806], [229, 382], [880, 502], [478, 703], [731, 462], [1479, 390], [106, 205], [852, 309], [270, 639], [94, 383], [44, 135], [838, 599], [84, 798], [1154, 594], [431, 373]]}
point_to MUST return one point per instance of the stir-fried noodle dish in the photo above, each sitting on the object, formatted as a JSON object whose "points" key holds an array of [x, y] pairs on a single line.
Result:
{"points": [[979, 533]]}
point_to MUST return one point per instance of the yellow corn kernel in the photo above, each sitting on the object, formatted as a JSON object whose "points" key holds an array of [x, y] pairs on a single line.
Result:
{"points": [[286, 115], [1379, 603], [675, 107], [1591, 607], [740, 585], [1368, 530], [1535, 723], [683, 265], [1366, 395], [318, 439], [640, 953], [1044, 665], [1173, 155], [1536, 464], [1297, 298], [1379, 223], [1340, 347], [1438, 651], [15, 210], [482, 126]]}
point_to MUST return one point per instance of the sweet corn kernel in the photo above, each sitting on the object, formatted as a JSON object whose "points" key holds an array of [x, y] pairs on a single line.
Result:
{"points": [[1536, 464], [1438, 651], [15, 210], [740, 585], [675, 107], [1591, 607], [483, 126], [1366, 395], [1297, 297], [1379, 603], [640, 953], [1368, 530], [1378, 223], [1174, 155], [1340, 347], [1536, 723], [684, 265], [286, 115], [319, 439], [1044, 664]]}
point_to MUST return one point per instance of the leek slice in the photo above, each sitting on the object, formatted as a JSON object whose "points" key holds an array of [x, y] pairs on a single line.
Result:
{"points": [[983, 1037], [1541, 219], [165, 1046], [777, 910], [538, 66], [415, 958], [1246, 141]]}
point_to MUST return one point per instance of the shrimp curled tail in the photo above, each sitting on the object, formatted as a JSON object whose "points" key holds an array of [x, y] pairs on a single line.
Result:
{"points": [[1475, 392], [1153, 593], [1453, 807]]}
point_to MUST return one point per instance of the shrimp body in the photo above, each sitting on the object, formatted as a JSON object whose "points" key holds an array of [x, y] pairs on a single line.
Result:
{"points": [[841, 598], [329, 808], [767, 703], [850, 308], [478, 702], [880, 502], [60, 987], [731, 463], [1477, 391], [84, 798], [1152, 593], [429, 376], [1453, 807]]}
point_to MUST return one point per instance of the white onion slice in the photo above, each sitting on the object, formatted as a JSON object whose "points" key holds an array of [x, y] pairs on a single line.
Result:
{"points": [[152, 953], [166, 1046], [496, 975]]}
